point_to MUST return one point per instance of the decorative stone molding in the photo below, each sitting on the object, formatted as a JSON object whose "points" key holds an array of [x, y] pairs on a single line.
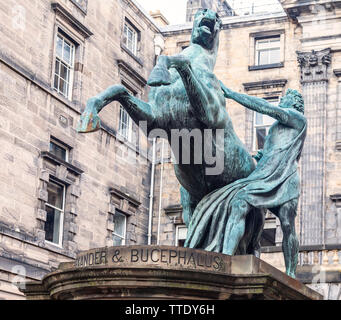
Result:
{"points": [[279, 83], [126, 69], [127, 204], [68, 175], [338, 145], [295, 9], [336, 198], [81, 4], [314, 65], [337, 72], [175, 214], [70, 19]]}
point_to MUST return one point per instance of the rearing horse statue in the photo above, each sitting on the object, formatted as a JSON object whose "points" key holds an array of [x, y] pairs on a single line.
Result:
{"points": [[186, 94]]}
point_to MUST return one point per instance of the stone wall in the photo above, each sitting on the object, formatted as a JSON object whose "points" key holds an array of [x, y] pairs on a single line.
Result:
{"points": [[32, 112]]}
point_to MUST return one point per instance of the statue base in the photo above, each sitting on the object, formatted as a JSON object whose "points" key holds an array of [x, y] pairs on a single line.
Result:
{"points": [[159, 272]]}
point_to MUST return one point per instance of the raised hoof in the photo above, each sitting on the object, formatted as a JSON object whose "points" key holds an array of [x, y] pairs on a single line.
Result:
{"points": [[159, 77], [89, 123]]}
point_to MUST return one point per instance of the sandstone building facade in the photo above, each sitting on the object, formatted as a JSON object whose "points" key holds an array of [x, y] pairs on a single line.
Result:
{"points": [[62, 192]]}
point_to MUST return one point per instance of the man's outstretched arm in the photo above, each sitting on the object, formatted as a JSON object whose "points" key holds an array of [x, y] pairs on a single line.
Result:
{"points": [[256, 104]]}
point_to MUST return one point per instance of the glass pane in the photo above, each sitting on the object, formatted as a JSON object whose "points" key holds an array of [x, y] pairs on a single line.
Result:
{"points": [[55, 195], [67, 53], [182, 233], [268, 121], [260, 136], [120, 224], [258, 118], [58, 151], [57, 67], [59, 48], [64, 71], [275, 56], [52, 225], [117, 240], [263, 57], [56, 82], [63, 87]]}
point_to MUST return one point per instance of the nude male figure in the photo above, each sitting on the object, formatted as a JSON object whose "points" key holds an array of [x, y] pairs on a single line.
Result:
{"points": [[277, 184]]}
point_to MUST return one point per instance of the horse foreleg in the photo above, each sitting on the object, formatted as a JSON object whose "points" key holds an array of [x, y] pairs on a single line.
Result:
{"points": [[137, 109]]}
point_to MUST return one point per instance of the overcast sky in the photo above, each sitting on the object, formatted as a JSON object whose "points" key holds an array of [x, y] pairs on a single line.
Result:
{"points": [[175, 10]]}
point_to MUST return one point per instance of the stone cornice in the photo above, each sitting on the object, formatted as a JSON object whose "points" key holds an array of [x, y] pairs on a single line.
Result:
{"points": [[295, 8], [131, 72], [143, 14], [48, 155], [265, 84], [125, 196], [75, 23]]}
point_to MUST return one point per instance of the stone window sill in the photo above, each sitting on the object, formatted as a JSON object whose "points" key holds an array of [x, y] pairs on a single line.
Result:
{"points": [[137, 59], [266, 66]]}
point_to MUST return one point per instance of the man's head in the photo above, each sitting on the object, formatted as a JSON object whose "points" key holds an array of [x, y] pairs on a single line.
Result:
{"points": [[206, 28], [292, 99]]}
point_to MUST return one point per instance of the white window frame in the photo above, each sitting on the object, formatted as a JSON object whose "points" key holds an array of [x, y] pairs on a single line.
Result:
{"points": [[256, 126], [267, 47], [128, 27], [69, 66], [128, 133], [181, 226], [62, 211], [67, 150], [125, 228]]}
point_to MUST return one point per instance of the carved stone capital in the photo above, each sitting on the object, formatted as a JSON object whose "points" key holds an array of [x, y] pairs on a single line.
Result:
{"points": [[314, 65]]}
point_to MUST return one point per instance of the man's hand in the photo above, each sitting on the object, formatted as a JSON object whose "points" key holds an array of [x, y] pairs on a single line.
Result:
{"points": [[227, 92], [259, 155]]}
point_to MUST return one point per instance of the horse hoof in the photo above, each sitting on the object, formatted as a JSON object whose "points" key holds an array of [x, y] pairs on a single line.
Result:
{"points": [[159, 77], [89, 123]]}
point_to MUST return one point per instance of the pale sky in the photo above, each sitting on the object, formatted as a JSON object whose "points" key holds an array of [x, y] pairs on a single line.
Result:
{"points": [[175, 10]]}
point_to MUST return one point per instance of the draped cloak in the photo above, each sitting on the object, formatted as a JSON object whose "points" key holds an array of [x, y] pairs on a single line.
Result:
{"points": [[274, 182]]}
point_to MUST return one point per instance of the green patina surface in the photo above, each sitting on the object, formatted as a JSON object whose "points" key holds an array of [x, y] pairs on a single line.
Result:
{"points": [[224, 212]]}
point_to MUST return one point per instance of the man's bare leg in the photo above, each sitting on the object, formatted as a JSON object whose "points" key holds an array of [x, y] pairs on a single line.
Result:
{"points": [[290, 245], [235, 227]]}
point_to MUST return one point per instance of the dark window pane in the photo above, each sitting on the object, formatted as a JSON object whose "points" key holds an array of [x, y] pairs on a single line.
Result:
{"points": [[55, 195], [268, 238], [120, 224], [181, 243], [56, 81], [52, 225], [260, 136], [58, 151], [64, 72]]}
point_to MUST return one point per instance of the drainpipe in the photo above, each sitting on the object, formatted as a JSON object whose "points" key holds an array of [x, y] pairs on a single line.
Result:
{"points": [[161, 186], [151, 196]]}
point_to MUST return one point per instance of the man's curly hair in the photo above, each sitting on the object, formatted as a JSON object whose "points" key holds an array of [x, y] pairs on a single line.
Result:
{"points": [[299, 102]]}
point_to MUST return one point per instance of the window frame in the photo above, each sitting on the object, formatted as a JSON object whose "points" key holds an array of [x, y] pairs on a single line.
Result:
{"points": [[124, 238], [180, 226], [257, 126], [71, 67], [61, 145], [129, 26], [270, 48], [62, 215], [129, 125]]}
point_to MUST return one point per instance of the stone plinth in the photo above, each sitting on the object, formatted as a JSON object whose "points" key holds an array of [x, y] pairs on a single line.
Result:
{"points": [[159, 272]]}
